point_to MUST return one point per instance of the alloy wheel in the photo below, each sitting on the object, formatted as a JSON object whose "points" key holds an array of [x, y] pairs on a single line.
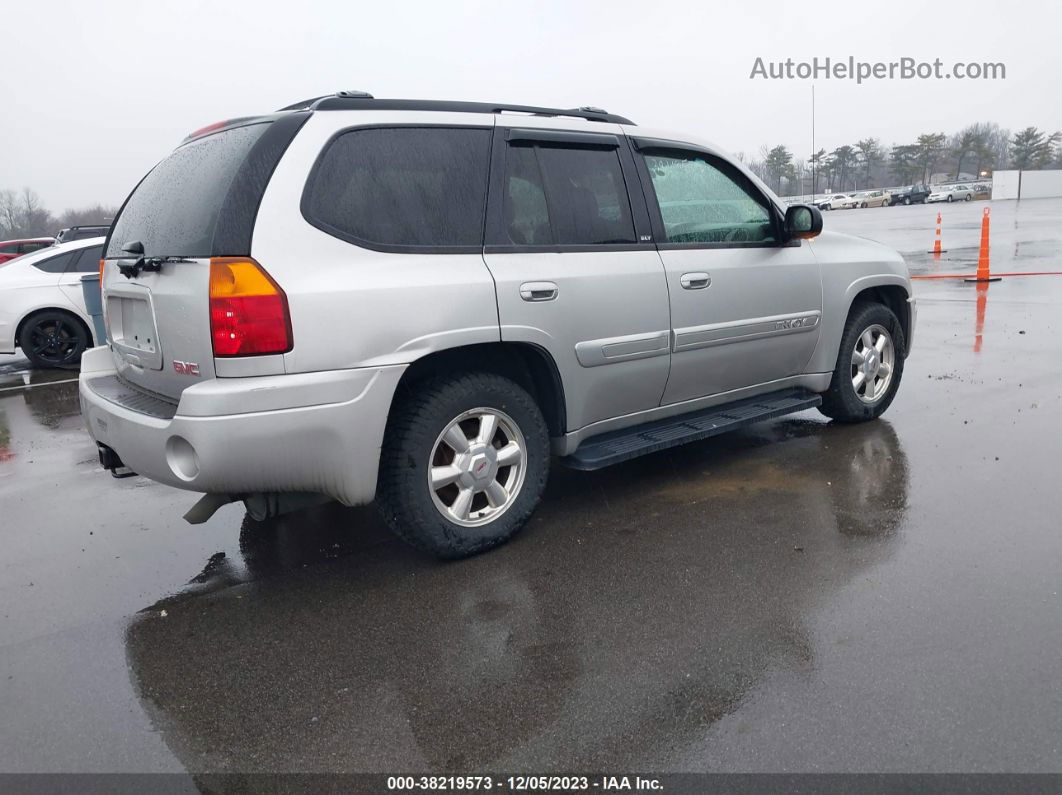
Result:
{"points": [[54, 342], [873, 362], [477, 467]]}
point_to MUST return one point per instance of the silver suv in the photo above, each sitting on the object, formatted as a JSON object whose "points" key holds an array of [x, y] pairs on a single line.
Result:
{"points": [[418, 302]]}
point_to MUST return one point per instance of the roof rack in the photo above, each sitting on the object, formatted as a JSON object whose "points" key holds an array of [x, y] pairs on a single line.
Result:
{"points": [[360, 100]]}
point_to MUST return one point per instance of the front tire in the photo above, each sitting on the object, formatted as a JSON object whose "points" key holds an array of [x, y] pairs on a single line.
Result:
{"points": [[53, 339], [869, 365], [907, 200], [464, 463]]}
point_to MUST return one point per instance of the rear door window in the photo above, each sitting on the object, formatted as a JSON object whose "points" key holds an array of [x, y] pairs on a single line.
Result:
{"points": [[565, 196], [174, 211], [402, 188]]}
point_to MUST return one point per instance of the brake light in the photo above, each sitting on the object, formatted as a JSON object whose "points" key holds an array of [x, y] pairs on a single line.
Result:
{"points": [[248, 310], [102, 262]]}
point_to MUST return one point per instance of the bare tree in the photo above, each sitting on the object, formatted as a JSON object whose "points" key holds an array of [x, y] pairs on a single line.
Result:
{"points": [[23, 214], [965, 142]]}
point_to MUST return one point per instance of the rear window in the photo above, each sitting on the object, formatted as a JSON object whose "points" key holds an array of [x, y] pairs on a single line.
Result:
{"points": [[404, 187], [89, 261], [174, 211]]}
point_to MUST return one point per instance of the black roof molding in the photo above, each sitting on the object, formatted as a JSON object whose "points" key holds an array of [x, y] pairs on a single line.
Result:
{"points": [[360, 100]]}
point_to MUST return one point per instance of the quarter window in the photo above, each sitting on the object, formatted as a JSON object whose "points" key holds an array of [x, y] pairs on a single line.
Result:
{"points": [[56, 264], [404, 186], [555, 195], [703, 201]]}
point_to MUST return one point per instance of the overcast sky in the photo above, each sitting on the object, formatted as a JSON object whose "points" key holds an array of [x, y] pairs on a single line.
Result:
{"points": [[94, 94]]}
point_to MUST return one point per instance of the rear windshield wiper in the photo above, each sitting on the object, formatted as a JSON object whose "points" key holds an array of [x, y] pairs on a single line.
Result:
{"points": [[130, 268]]}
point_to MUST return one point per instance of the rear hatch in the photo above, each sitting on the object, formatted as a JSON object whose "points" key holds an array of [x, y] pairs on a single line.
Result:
{"points": [[198, 203]]}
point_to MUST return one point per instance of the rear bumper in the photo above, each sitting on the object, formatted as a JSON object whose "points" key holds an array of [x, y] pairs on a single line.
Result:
{"points": [[311, 432]]}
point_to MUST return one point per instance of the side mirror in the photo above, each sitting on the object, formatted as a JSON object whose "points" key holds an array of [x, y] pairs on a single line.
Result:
{"points": [[802, 222]]}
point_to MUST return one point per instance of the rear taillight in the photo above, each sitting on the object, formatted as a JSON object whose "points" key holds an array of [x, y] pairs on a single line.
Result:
{"points": [[102, 262], [248, 310]]}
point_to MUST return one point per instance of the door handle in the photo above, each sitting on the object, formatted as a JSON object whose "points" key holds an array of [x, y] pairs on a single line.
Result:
{"points": [[695, 281], [538, 291]]}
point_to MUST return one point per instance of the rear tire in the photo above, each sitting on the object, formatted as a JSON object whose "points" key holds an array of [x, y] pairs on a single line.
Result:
{"points": [[453, 503], [864, 384], [53, 338]]}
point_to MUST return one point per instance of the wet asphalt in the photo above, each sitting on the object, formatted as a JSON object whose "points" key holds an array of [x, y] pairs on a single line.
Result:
{"points": [[799, 596]]}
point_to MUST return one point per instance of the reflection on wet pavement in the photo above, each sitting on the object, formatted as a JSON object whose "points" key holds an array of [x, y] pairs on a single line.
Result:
{"points": [[525, 653], [49, 395]]}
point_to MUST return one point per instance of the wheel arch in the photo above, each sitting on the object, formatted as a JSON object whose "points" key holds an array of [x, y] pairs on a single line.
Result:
{"points": [[894, 296], [528, 364]]}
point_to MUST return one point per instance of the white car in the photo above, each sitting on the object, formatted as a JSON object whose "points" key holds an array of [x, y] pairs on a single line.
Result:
{"points": [[950, 193], [837, 201], [42, 303]]}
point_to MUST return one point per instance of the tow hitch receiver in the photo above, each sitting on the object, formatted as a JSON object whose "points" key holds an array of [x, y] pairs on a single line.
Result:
{"points": [[110, 461]]}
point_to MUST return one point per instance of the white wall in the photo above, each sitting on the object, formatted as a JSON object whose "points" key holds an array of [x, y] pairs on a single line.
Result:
{"points": [[1034, 184]]}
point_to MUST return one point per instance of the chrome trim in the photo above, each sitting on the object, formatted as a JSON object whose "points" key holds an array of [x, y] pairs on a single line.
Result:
{"points": [[694, 337], [697, 280], [609, 350]]}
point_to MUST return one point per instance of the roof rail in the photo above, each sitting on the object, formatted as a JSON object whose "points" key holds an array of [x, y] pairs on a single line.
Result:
{"points": [[360, 100]]}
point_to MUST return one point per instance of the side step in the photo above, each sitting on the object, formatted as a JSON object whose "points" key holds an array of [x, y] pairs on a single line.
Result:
{"points": [[616, 446]]}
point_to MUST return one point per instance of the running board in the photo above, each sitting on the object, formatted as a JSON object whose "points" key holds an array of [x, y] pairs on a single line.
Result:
{"points": [[616, 446]]}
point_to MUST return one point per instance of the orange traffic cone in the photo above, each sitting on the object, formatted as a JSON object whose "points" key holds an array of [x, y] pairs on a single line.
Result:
{"points": [[937, 250], [983, 273]]}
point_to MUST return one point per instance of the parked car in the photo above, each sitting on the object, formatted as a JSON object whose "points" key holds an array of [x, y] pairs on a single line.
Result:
{"points": [[951, 193], [81, 233], [912, 194], [327, 302], [874, 198], [9, 249], [42, 303], [837, 201]]}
